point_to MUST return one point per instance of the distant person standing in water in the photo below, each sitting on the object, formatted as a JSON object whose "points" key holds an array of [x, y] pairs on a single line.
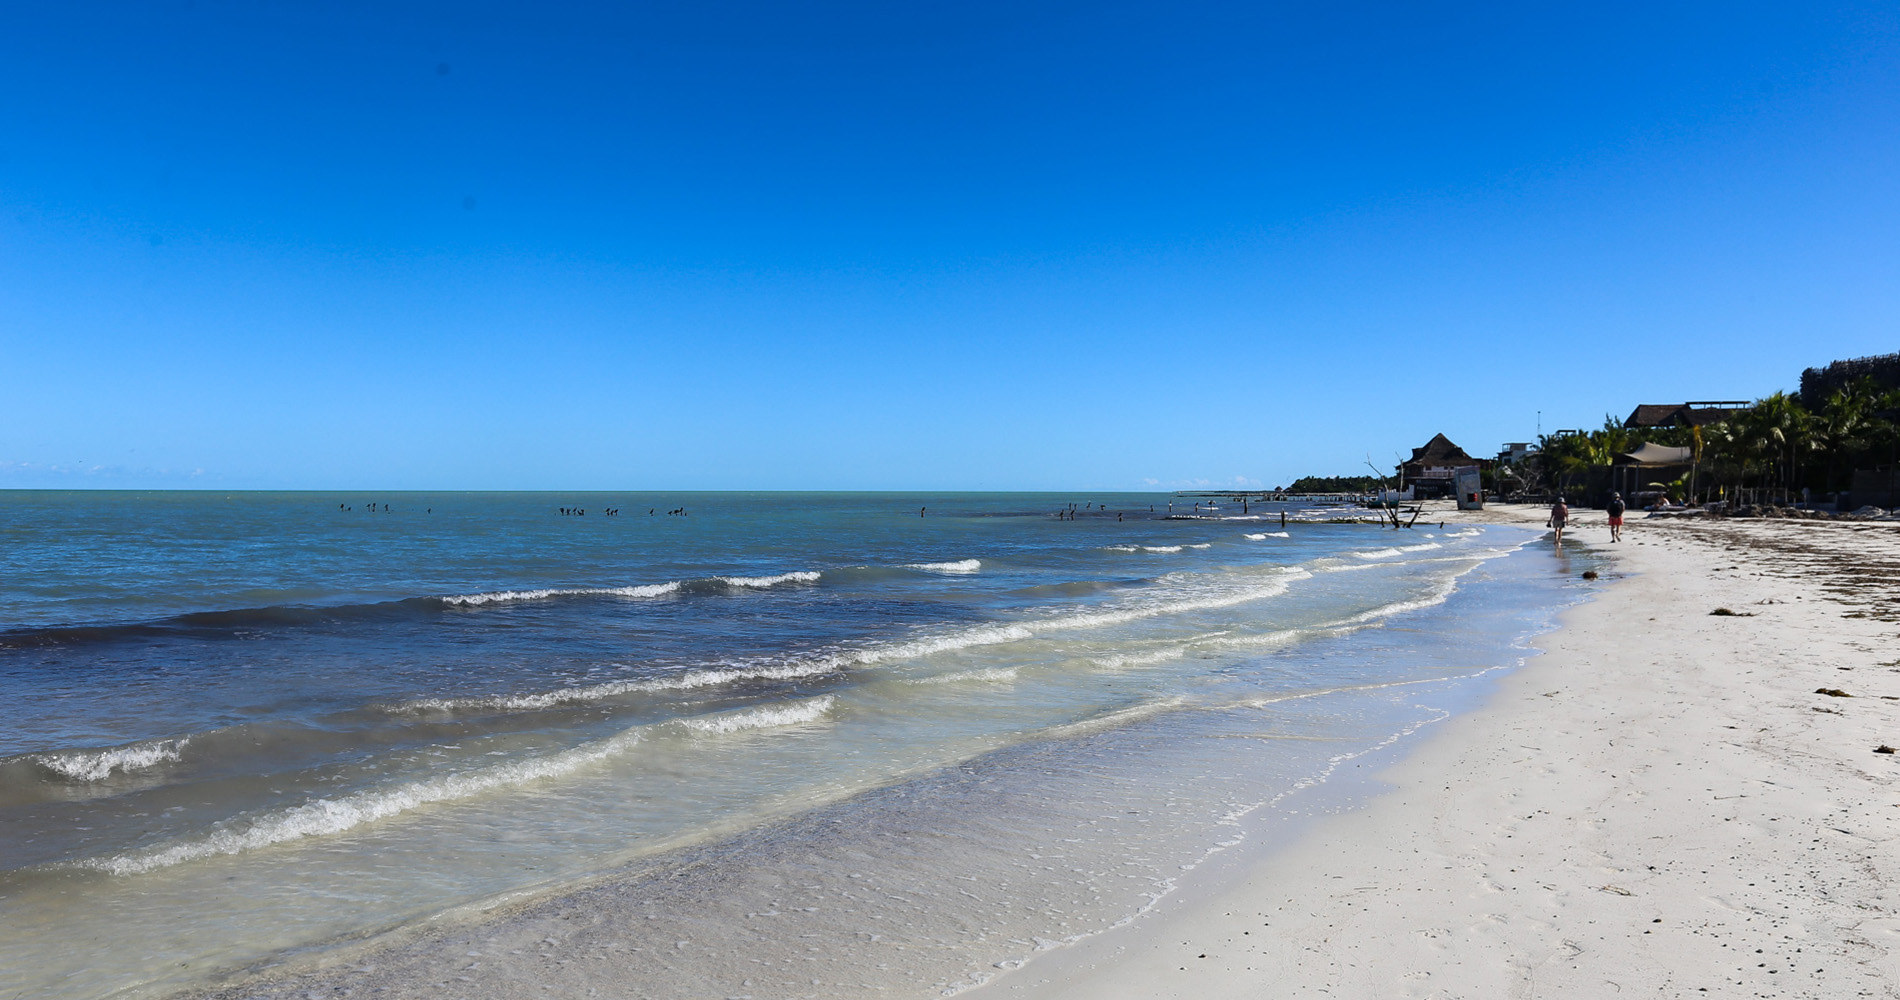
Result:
{"points": [[1559, 516], [1615, 509]]}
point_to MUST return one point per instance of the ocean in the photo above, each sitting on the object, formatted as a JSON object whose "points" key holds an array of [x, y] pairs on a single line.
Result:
{"points": [[853, 743]]}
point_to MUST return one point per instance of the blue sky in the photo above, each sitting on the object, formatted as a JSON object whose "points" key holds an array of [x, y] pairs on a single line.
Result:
{"points": [[888, 246]]}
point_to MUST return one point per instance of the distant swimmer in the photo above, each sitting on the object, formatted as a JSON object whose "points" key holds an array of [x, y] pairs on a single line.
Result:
{"points": [[1118, 517], [920, 511]]}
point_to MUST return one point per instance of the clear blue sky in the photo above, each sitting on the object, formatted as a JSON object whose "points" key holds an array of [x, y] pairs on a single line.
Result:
{"points": [[913, 246]]}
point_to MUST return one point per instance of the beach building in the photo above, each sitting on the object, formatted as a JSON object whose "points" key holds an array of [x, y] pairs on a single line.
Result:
{"points": [[1691, 414], [1433, 467], [1632, 473]]}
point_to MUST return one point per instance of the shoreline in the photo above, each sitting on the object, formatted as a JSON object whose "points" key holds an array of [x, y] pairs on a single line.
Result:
{"points": [[601, 925], [1525, 845], [1640, 808]]}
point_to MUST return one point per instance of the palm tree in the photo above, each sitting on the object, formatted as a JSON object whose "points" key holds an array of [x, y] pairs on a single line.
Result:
{"points": [[1845, 424]]}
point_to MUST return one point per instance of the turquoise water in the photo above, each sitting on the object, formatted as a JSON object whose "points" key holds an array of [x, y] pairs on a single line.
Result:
{"points": [[240, 726]]}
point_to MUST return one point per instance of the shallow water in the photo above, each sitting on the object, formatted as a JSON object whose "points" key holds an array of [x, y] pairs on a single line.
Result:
{"points": [[239, 726]]}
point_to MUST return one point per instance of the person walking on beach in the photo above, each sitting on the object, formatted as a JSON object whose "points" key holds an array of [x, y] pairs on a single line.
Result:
{"points": [[1615, 509], [1559, 516]]}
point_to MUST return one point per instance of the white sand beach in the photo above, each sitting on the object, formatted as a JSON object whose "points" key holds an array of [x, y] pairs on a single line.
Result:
{"points": [[1660, 805]]}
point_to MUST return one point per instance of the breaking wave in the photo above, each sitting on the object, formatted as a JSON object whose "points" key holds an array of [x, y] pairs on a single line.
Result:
{"points": [[763, 718], [98, 765], [713, 583], [320, 817], [961, 566], [511, 596], [836, 661], [1397, 550], [986, 675], [801, 576]]}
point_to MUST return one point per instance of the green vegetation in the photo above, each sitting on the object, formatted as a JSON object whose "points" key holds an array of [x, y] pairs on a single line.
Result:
{"points": [[1775, 448], [1334, 484]]}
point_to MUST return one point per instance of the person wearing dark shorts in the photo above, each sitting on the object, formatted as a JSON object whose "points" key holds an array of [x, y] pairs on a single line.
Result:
{"points": [[1559, 516], [1615, 509]]}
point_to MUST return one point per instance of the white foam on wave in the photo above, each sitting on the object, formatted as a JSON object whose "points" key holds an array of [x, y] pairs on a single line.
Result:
{"points": [[322, 817], [542, 594], [1396, 550], [961, 566], [982, 635], [799, 576], [700, 677], [639, 591], [1274, 587], [987, 675], [1211, 641], [1146, 658], [98, 765], [1439, 594], [833, 662], [1261, 536], [763, 718]]}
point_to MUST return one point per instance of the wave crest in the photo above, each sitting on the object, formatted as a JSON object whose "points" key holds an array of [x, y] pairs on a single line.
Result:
{"points": [[763, 718], [961, 566], [542, 594], [1396, 550], [319, 817], [799, 576], [97, 765], [835, 661], [986, 675]]}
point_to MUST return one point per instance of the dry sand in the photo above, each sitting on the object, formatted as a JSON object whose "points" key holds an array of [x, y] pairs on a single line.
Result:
{"points": [[1661, 805]]}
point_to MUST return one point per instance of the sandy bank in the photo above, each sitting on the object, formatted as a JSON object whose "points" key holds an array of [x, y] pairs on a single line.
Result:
{"points": [[1662, 805]]}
